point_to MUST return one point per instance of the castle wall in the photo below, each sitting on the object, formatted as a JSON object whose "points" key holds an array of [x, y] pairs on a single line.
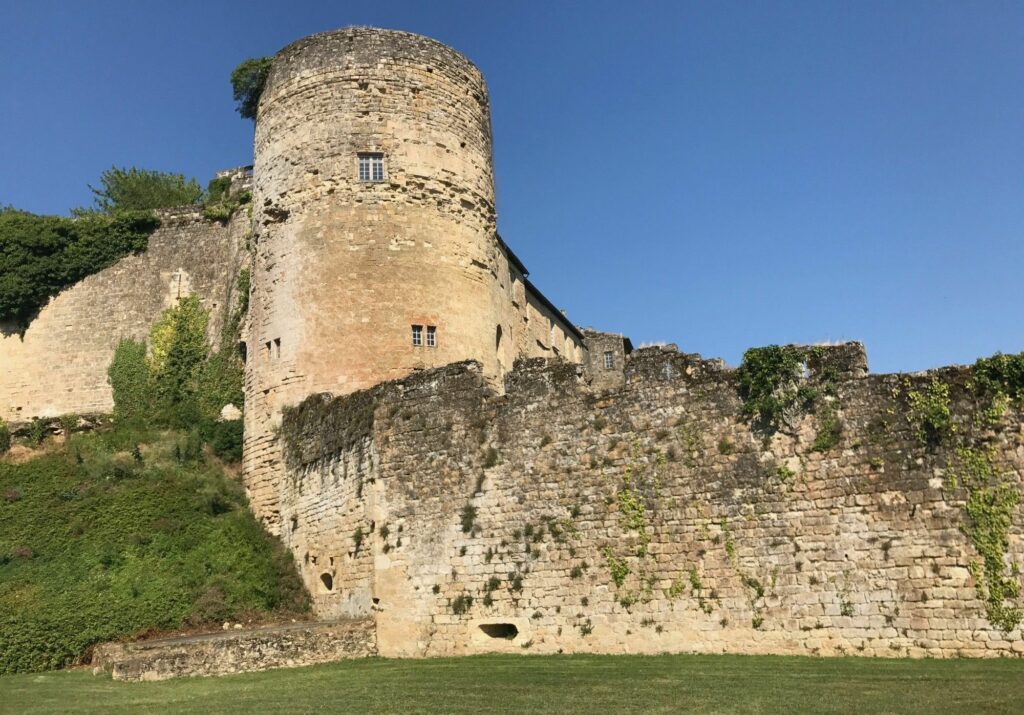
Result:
{"points": [[532, 503], [59, 366], [345, 267]]}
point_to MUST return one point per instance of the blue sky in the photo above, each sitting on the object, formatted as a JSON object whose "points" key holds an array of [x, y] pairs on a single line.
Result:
{"points": [[720, 175]]}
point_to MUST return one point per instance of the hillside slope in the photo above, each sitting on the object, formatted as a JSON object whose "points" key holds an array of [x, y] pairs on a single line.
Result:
{"points": [[118, 533]]}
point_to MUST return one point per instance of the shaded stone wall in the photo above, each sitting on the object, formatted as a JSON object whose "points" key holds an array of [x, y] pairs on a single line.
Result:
{"points": [[242, 651], [344, 267], [650, 517], [59, 366]]}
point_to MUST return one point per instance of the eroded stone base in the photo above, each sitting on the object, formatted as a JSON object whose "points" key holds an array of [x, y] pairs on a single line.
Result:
{"points": [[239, 651]]}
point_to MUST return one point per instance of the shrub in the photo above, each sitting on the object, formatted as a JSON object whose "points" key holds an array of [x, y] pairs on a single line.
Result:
{"points": [[829, 431], [5, 437], [769, 383], [247, 82], [128, 376], [178, 350], [225, 439], [929, 415], [1001, 374]]}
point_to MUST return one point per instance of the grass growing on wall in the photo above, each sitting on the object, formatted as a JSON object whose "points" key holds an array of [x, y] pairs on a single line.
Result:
{"points": [[112, 534]]}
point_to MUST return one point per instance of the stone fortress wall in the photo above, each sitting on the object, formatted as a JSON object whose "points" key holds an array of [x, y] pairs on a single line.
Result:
{"points": [[649, 516], [344, 267], [59, 364]]}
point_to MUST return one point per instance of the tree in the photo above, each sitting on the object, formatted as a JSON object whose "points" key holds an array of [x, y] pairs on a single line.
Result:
{"points": [[142, 190], [247, 81]]}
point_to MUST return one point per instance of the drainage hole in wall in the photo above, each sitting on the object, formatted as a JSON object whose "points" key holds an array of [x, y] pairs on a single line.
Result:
{"points": [[508, 631]]}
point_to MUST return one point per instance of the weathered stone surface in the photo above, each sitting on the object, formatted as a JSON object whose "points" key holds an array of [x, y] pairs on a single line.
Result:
{"points": [[742, 542], [238, 651]]}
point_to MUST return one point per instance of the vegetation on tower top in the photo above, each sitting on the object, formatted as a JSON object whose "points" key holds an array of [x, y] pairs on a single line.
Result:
{"points": [[247, 81]]}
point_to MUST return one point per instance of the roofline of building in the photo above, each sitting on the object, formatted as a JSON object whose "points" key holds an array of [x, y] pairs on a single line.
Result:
{"points": [[562, 318]]}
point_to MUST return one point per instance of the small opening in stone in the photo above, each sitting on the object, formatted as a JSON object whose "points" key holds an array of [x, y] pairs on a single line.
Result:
{"points": [[508, 631], [295, 524], [327, 580]]}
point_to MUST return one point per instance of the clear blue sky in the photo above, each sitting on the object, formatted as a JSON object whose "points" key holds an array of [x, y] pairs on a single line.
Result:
{"points": [[719, 175]]}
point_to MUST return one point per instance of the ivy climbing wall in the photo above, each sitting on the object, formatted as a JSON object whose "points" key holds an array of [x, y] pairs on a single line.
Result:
{"points": [[798, 505], [58, 365]]}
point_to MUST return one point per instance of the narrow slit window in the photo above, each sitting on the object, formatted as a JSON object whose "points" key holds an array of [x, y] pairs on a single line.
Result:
{"points": [[417, 336], [431, 336], [609, 360], [277, 348], [371, 167], [267, 352]]}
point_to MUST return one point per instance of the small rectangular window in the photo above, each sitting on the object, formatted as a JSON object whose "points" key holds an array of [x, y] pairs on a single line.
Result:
{"points": [[266, 352], [609, 360], [371, 167], [417, 336], [277, 348], [431, 336]]}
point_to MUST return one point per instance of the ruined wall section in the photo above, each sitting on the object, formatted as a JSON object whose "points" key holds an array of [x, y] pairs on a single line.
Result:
{"points": [[653, 518], [59, 365]]}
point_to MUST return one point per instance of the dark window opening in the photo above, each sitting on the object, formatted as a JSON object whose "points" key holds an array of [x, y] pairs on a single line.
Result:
{"points": [[243, 351], [508, 631], [497, 338], [277, 348], [327, 580]]}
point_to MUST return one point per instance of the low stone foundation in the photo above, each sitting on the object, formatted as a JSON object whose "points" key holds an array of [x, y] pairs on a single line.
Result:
{"points": [[239, 651]]}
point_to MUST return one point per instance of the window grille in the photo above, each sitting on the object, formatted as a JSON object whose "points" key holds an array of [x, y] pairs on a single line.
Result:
{"points": [[371, 167], [417, 336], [609, 360], [431, 336]]}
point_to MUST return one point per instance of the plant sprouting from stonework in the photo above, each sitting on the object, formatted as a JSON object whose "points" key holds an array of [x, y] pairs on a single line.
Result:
{"points": [[247, 82], [929, 415], [770, 384], [992, 500]]}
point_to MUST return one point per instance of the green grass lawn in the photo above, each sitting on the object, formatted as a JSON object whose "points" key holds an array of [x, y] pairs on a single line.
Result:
{"points": [[559, 684]]}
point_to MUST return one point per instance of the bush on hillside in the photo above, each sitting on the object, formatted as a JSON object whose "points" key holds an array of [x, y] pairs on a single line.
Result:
{"points": [[101, 543]]}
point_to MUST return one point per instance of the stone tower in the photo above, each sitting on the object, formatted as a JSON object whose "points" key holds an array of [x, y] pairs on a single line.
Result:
{"points": [[375, 245]]}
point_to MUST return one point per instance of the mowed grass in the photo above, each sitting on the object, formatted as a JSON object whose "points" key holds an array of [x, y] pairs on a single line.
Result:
{"points": [[558, 684]]}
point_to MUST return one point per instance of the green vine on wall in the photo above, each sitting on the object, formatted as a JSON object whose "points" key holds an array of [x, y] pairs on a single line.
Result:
{"points": [[929, 414], [770, 384], [991, 503]]}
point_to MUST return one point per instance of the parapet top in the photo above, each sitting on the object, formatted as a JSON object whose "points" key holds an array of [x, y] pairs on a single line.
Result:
{"points": [[366, 46]]}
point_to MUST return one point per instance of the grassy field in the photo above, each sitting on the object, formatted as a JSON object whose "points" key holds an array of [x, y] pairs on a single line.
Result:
{"points": [[560, 684]]}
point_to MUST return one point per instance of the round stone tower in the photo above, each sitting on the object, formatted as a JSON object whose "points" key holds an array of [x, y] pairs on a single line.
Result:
{"points": [[375, 250]]}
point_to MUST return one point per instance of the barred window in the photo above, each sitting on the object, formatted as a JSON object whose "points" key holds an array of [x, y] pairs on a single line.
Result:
{"points": [[371, 167], [609, 360], [431, 336], [417, 336]]}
